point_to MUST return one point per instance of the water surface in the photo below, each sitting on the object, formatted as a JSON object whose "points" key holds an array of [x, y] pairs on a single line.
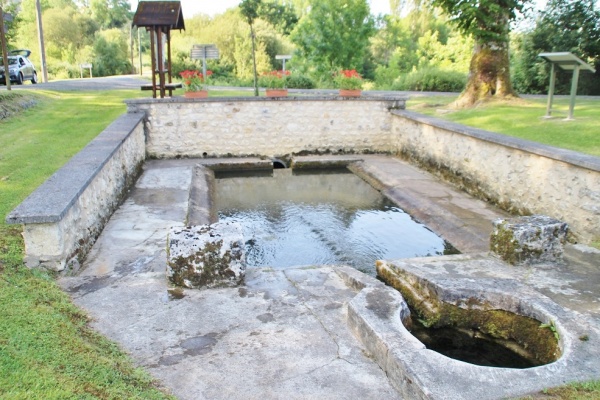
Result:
{"points": [[322, 217]]}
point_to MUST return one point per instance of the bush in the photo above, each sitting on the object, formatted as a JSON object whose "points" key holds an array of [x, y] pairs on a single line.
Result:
{"points": [[64, 70], [431, 80], [300, 82]]}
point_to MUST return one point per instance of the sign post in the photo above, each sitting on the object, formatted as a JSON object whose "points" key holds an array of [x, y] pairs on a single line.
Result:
{"points": [[568, 62], [283, 58], [204, 52], [85, 66]]}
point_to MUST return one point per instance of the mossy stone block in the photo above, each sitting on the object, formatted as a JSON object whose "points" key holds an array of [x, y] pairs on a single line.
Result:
{"points": [[206, 256], [529, 240]]}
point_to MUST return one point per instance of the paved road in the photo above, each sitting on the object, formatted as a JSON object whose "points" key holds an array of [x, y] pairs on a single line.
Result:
{"points": [[104, 83], [135, 81]]}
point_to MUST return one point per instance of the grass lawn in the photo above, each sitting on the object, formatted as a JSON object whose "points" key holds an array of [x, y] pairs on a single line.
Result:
{"points": [[523, 118], [46, 347]]}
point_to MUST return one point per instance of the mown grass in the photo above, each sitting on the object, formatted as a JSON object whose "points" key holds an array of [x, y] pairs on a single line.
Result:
{"points": [[523, 118], [47, 350]]}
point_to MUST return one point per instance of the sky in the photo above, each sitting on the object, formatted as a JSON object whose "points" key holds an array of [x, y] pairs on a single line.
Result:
{"points": [[212, 7]]}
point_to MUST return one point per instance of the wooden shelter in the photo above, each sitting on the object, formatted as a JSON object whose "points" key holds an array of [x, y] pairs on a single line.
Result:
{"points": [[159, 18]]}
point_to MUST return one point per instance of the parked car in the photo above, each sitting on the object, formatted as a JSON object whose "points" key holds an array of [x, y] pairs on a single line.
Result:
{"points": [[19, 67]]}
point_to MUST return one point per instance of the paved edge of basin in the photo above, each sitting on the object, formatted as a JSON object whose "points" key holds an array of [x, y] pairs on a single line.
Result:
{"points": [[419, 373]]}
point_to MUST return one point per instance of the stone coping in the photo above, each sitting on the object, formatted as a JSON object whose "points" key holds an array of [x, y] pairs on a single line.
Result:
{"points": [[569, 156], [401, 100], [50, 201], [419, 373]]}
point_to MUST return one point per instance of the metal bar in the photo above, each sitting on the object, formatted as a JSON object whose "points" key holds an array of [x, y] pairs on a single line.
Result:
{"points": [[551, 90], [574, 83]]}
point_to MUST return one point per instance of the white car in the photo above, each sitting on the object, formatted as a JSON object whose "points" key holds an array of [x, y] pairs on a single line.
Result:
{"points": [[20, 69]]}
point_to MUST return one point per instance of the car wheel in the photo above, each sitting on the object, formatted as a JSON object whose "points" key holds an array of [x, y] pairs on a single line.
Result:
{"points": [[34, 78], [20, 78]]}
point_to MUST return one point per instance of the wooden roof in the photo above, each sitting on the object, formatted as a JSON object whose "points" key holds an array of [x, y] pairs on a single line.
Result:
{"points": [[159, 13]]}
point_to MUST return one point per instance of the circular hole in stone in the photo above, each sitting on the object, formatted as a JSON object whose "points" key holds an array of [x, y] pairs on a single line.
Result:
{"points": [[503, 340]]}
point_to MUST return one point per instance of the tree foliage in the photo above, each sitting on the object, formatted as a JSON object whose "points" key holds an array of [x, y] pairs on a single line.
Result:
{"points": [[250, 10], [334, 34], [281, 16], [565, 25], [421, 40], [486, 20], [9, 7], [110, 13], [422, 44], [76, 32]]}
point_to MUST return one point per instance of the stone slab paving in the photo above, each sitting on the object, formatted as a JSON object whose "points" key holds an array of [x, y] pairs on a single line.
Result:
{"points": [[285, 333], [282, 335]]}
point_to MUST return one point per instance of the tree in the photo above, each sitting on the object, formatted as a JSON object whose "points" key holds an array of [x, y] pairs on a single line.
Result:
{"points": [[111, 53], [488, 22], [564, 25], [110, 13], [249, 9], [9, 7], [281, 16], [62, 36], [334, 34]]}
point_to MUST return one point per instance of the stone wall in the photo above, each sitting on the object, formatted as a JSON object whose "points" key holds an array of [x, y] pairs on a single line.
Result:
{"points": [[265, 126], [64, 216], [516, 174]]}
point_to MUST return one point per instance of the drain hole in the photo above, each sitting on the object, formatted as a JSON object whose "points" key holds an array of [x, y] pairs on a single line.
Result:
{"points": [[469, 329], [492, 338], [278, 164], [474, 347], [205, 154]]}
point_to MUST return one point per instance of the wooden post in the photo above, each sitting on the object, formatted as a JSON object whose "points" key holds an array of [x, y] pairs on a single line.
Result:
{"points": [[41, 39], [4, 50], [153, 55], [169, 67], [139, 48], [161, 64]]}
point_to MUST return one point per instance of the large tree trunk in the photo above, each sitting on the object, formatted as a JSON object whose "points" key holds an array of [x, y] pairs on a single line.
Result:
{"points": [[489, 75]]}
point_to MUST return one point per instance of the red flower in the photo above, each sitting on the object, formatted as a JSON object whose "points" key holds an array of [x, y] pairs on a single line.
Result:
{"points": [[193, 81]]}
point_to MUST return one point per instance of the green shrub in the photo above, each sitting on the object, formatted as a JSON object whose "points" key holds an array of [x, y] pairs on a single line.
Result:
{"points": [[300, 82], [64, 70], [431, 80]]}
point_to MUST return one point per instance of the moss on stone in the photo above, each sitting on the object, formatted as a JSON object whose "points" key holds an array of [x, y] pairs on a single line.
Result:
{"points": [[535, 342], [216, 267], [503, 243]]}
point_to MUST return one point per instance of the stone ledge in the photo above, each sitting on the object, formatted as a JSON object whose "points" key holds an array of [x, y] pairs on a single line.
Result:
{"points": [[420, 373], [555, 153], [399, 101], [50, 201]]}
